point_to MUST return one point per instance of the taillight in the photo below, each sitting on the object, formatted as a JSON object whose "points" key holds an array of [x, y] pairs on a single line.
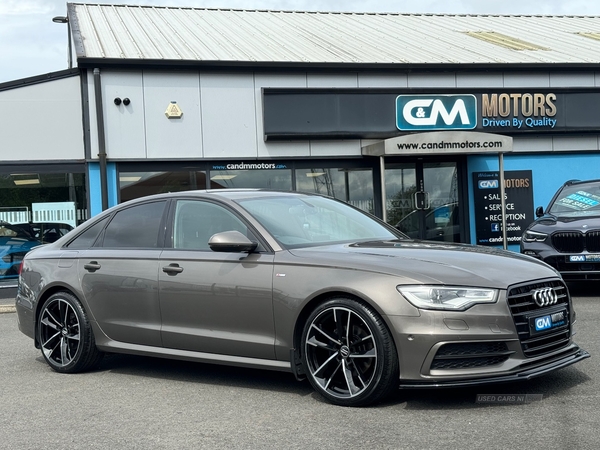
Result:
{"points": [[20, 267]]}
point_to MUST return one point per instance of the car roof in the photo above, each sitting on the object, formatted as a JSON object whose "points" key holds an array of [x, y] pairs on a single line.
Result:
{"points": [[232, 194], [578, 182]]}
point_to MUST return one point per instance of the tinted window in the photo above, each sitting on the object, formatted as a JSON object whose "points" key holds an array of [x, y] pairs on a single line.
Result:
{"points": [[197, 221], [137, 227], [88, 237]]}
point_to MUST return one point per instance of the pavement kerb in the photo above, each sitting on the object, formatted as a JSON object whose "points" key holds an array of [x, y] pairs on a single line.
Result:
{"points": [[7, 309]]}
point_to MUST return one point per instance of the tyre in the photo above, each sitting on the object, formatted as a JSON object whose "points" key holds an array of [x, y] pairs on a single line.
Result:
{"points": [[65, 335], [348, 353]]}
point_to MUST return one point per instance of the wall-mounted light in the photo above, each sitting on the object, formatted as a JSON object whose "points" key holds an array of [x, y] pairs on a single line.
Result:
{"points": [[65, 19]]}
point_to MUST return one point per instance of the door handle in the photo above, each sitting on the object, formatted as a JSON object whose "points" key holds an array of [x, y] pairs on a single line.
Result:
{"points": [[422, 200], [92, 266], [172, 269]]}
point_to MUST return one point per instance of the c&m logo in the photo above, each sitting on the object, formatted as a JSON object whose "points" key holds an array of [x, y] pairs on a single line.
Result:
{"points": [[436, 112], [488, 184], [543, 323]]}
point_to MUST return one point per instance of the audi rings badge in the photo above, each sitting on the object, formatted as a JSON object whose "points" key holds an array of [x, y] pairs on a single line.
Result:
{"points": [[544, 296]]}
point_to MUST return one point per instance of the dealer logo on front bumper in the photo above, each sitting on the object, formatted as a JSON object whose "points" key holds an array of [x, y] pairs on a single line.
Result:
{"points": [[550, 321]]}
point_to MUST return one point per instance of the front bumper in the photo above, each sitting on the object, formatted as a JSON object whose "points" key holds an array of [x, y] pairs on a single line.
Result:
{"points": [[488, 343], [572, 357]]}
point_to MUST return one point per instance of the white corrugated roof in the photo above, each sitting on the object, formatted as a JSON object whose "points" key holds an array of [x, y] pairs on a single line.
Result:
{"points": [[123, 33]]}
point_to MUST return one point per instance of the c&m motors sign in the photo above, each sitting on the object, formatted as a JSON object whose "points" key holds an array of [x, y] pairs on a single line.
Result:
{"points": [[436, 112]]}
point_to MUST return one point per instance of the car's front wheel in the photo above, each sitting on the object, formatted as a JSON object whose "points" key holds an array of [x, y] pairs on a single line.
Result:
{"points": [[348, 353], [65, 335]]}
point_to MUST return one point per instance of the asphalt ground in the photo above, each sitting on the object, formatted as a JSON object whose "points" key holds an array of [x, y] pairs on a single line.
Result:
{"points": [[133, 402]]}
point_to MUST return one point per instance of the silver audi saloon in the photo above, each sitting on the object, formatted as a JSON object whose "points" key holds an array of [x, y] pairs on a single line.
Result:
{"points": [[292, 282]]}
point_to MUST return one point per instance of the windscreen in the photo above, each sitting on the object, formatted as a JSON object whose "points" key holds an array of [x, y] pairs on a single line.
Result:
{"points": [[577, 200], [304, 221]]}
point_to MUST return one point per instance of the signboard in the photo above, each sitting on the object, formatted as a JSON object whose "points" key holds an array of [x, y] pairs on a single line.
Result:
{"points": [[518, 190], [449, 142], [381, 113], [436, 112]]}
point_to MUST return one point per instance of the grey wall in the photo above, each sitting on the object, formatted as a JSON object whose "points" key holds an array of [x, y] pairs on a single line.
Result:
{"points": [[222, 112]]}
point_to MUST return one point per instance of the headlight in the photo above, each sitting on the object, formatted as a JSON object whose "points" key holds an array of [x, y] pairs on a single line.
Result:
{"points": [[449, 298], [534, 236]]}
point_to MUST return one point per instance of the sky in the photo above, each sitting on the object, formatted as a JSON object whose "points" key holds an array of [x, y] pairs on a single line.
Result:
{"points": [[31, 44]]}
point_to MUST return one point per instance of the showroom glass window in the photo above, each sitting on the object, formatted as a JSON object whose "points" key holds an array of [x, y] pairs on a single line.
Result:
{"points": [[279, 179], [40, 197], [350, 183], [139, 184], [353, 186]]}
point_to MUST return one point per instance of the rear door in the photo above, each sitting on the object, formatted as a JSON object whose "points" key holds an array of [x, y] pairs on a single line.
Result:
{"points": [[119, 276]]}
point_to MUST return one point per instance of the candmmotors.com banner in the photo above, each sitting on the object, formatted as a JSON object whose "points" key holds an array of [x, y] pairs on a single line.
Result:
{"points": [[447, 142]]}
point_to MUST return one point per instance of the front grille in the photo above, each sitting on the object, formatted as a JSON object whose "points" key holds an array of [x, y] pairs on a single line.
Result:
{"points": [[469, 355], [592, 241], [467, 363], [568, 242], [576, 242], [523, 307]]}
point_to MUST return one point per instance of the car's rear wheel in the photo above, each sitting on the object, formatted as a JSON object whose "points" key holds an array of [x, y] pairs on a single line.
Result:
{"points": [[348, 353], [65, 335]]}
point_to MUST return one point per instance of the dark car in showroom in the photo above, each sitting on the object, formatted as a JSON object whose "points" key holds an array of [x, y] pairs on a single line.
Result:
{"points": [[567, 234], [48, 232], [293, 282]]}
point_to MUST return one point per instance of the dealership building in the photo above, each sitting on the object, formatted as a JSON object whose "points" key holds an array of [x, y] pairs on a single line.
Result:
{"points": [[452, 127]]}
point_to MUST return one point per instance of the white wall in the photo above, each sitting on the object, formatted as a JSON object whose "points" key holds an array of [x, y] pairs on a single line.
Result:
{"points": [[42, 122]]}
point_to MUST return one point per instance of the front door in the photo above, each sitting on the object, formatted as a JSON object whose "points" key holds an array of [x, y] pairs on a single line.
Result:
{"points": [[214, 302], [423, 199]]}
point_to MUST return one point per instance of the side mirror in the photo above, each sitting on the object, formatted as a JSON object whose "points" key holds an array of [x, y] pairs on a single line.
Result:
{"points": [[231, 241], [539, 211]]}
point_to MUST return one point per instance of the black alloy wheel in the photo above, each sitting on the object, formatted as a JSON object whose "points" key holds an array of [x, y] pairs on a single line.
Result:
{"points": [[348, 353], [65, 335]]}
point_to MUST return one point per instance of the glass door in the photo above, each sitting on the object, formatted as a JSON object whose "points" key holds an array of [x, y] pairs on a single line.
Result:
{"points": [[422, 199]]}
